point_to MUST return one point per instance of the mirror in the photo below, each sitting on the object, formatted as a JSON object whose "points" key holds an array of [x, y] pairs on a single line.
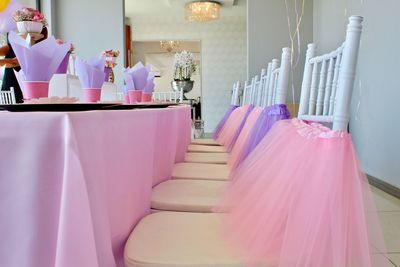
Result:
{"points": [[160, 56]]}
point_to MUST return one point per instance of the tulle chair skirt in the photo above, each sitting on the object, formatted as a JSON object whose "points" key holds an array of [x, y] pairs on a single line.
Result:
{"points": [[224, 119], [233, 126], [300, 199], [254, 132]]}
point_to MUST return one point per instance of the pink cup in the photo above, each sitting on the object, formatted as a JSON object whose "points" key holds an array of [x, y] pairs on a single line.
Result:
{"points": [[126, 99], [35, 89], [135, 96], [92, 95], [146, 97]]}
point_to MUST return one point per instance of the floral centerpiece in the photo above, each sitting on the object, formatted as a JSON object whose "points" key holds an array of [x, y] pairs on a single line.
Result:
{"points": [[110, 63], [29, 20], [184, 67]]}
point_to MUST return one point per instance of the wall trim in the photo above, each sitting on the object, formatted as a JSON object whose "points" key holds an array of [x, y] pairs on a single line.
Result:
{"points": [[384, 186]]}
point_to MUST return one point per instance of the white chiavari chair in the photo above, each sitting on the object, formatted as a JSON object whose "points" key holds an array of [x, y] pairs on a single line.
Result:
{"points": [[208, 179], [328, 81], [7, 97], [169, 96], [206, 248], [235, 101]]}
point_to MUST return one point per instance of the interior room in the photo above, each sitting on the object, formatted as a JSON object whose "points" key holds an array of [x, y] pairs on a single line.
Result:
{"points": [[199, 133]]}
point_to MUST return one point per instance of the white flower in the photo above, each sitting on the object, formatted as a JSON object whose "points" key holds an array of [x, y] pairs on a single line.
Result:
{"points": [[184, 65]]}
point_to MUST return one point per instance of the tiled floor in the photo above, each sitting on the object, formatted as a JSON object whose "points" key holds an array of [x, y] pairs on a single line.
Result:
{"points": [[389, 215]]}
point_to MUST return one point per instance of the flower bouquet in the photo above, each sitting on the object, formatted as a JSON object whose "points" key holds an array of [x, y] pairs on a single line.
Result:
{"points": [[29, 20], [184, 67], [110, 63]]}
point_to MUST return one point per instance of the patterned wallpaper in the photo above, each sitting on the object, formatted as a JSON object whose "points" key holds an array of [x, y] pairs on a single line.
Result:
{"points": [[224, 54]]}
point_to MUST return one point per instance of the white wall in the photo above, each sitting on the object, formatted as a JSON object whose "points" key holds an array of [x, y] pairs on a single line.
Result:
{"points": [[92, 26], [268, 33], [375, 114], [223, 44]]}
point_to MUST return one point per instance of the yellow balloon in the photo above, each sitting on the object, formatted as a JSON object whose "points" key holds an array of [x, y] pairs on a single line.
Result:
{"points": [[4, 4]]}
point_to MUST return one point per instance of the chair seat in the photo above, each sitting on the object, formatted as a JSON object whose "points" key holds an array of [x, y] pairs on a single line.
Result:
{"points": [[206, 149], [213, 158], [178, 239], [187, 195], [206, 142], [200, 171]]}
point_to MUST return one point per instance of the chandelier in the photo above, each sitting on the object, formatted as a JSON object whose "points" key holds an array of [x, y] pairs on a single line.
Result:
{"points": [[169, 46], [202, 11]]}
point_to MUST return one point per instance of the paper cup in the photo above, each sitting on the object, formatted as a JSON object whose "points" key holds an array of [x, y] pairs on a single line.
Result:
{"points": [[92, 95], [135, 96], [32, 89], [146, 97], [126, 99]]}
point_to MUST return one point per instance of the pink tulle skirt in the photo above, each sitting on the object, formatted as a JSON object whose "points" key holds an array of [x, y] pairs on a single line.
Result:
{"points": [[243, 138], [301, 200], [232, 127]]}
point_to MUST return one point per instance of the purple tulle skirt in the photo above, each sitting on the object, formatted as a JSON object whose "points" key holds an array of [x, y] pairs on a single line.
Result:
{"points": [[223, 121], [267, 119]]}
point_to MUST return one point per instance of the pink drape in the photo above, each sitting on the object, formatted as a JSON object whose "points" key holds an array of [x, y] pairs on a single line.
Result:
{"points": [[73, 185]]}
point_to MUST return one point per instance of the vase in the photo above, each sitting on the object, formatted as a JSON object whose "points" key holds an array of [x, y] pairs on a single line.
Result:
{"points": [[107, 72], [186, 86], [29, 26]]}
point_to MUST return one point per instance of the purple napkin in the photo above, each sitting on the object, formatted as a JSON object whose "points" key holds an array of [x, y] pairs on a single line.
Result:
{"points": [[20, 77], [128, 79], [7, 22], [91, 72], [149, 88], [40, 61], [139, 75]]}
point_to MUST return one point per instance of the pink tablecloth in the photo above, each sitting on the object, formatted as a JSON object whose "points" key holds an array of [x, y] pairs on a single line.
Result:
{"points": [[73, 185]]}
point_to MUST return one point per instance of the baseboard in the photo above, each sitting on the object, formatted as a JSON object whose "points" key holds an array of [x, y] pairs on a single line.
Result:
{"points": [[384, 186]]}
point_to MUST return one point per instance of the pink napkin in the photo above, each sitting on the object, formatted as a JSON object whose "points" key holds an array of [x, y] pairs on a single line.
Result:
{"points": [[40, 61], [91, 72], [7, 22]]}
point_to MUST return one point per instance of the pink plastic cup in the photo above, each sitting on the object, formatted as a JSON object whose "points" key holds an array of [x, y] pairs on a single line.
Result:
{"points": [[135, 96], [126, 99], [35, 89], [146, 97], [92, 95]]}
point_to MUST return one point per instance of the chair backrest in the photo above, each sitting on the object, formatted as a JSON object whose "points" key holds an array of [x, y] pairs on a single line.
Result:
{"points": [[235, 93], [247, 92], [328, 80], [168, 96], [276, 81], [7, 97]]}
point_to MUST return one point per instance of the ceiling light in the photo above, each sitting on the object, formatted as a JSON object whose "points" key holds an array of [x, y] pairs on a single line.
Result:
{"points": [[202, 11]]}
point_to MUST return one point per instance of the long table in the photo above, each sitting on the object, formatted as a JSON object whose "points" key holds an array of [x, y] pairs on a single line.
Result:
{"points": [[74, 184]]}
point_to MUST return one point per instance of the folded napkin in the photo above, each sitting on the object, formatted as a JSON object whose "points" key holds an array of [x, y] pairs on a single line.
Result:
{"points": [[90, 72], [40, 61], [136, 77], [7, 22], [149, 88]]}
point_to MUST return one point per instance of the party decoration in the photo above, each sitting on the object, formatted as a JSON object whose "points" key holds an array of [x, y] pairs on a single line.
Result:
{"points": [[7, 9]]}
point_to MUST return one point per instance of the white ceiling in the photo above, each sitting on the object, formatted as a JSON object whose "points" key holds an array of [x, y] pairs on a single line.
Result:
{"points": [[154, 7]]}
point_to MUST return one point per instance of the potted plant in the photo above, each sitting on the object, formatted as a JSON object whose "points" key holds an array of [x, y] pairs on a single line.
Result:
{"points": [[184, 67], [111, 59], [29, 20]]}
